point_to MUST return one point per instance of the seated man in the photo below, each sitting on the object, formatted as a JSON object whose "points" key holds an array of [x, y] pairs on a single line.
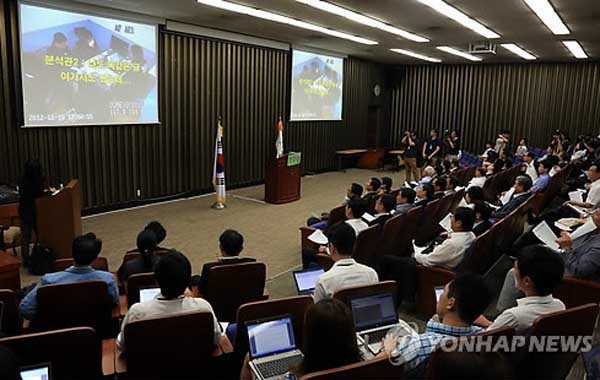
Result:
{"points": [[536, 273], [231, 244], [354, 191], [86, 249], [427, 175], [451, 185], [439, 187], [482, 217], [522, 186], [474, 193], [354, 212], [543, 180], [146, 246], [462, 301], [384, 206], [346, 272], [424, 194], [372, 188], [159, 232], [173, 272], [529, 164], [386, 185], [405, 200], [448, 255]]}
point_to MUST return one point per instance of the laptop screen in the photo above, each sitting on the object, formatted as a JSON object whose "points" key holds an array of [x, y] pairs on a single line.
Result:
{"points": [[373, 311], [438, 293], [306, 280], [271, 337], [36, 372], [148, 293]]}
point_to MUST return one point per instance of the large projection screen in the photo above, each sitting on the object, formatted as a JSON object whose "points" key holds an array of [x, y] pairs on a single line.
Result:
{"points": [[81, 69], [317, 84]]}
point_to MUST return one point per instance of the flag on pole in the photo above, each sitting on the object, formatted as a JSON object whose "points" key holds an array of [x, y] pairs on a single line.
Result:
{"points": [[279, 141], [219, 167]]}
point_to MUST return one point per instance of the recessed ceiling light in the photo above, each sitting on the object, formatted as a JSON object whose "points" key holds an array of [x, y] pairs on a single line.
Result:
{"points": [[544, 10], [576, 49], [362, 19], [518, 51], [459, 53], [456, 15], [416, 55], [266, 15]]}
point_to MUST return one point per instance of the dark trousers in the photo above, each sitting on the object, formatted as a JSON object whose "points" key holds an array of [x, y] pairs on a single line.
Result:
{"points": [[555, 214], [403, 270], [26, 233]]}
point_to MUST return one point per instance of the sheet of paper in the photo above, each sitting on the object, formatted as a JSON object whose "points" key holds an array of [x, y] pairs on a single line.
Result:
{"points": [[318, 237], [458, 188], [494, 207], [506, 197], [446, 222], [561, 226], [580, 210], [543, 232], [368, 217], [576, 195], [587, 227]]}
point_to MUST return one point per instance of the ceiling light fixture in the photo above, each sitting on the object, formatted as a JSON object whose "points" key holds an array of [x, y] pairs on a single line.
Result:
{"points": [[456, 15], [270, 16], [459, 53], [576, 49], [545, 11], [362, 19], [416, 55], [519, 51]]}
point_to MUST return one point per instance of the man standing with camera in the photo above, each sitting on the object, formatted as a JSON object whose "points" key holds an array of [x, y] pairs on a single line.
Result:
{"points": [[410, 156]]}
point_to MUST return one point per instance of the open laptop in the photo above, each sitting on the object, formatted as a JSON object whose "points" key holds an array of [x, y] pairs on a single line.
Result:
{"points": [[40, 371], [374, 316], [306, 280], [148, 293], [273, 349]]}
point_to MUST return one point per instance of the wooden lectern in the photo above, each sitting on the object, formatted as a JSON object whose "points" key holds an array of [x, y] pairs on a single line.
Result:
{"points": [[282, 182], [59, 219]]}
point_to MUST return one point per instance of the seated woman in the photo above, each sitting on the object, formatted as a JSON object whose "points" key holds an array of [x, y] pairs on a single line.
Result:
{"points": [[146, 245], [329, 339]]}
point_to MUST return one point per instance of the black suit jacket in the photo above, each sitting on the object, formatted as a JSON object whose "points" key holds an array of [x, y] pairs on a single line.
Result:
{"points": [[481, 228], [380, 220], [512, 205], [206, 267]]}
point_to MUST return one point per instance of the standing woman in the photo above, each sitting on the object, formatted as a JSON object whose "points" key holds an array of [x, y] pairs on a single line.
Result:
{"points": [[31, 187], [453, 146]]}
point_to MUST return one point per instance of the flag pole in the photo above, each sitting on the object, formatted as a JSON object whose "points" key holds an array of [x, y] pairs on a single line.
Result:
{"points": [[219, 170]]}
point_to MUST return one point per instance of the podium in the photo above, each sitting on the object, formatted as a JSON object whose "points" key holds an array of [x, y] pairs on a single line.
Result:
{"points": [[282, 182], [59, 219]]}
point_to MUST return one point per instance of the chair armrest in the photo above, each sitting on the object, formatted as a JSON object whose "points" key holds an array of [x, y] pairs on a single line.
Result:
{"points": [[266, 294], [109, 348], [582, 281]]}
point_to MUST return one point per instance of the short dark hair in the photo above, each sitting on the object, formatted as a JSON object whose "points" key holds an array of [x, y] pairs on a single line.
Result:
{"points": [[441, 183], [466, 217], [146, 241], [475, 193], [388, 202], [597, 165], [387, 182], [544, 266], [342, 236], [375, 183], [525, 181], [358, 206], [195, 281], [356, 189], [86, 249], [546, 163], [482, 208], [173, 272], [429, 190], [232, 242], [409, 194], [481, 170], [531, 155], [158, 229], [471, 294]]}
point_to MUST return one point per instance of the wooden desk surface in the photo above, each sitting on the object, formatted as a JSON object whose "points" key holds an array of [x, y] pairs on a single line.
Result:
{"points": [[9, 214], [8, 262], [351, 151]]}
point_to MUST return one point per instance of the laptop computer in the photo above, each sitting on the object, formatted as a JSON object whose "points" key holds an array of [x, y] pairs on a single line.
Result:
{"points": [[306, 280], [148, 293], [40, 371], [374, 316], [273, 349]]}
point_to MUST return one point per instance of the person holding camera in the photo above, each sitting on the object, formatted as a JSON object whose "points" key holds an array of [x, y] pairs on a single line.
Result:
{"points": [[452, 146], [410, 156], [432, 148]]}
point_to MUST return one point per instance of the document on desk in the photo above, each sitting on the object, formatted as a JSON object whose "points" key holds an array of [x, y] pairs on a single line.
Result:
{"points": [[368, 217], [587, 227], [506, 197], [446, 223], [318, 237], [576, 195], [543, 232]]}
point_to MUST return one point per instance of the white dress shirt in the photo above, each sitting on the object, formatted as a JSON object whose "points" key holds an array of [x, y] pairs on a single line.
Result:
{"points": [[344, 274], [450, 253], [531, 171], [593, 196], [160, 307], [528, 309], [357, 224]]}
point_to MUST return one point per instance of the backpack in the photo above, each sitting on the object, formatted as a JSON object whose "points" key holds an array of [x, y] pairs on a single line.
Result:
{"points": [[41, 260]]}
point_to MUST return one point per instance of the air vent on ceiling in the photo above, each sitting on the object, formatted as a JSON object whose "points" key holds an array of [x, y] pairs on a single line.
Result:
{"points": [[483, 47]]}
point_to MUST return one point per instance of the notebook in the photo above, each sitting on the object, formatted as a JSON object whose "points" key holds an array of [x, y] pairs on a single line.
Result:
{"points": [[272, 345], [306, 280], [40, 371]]}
